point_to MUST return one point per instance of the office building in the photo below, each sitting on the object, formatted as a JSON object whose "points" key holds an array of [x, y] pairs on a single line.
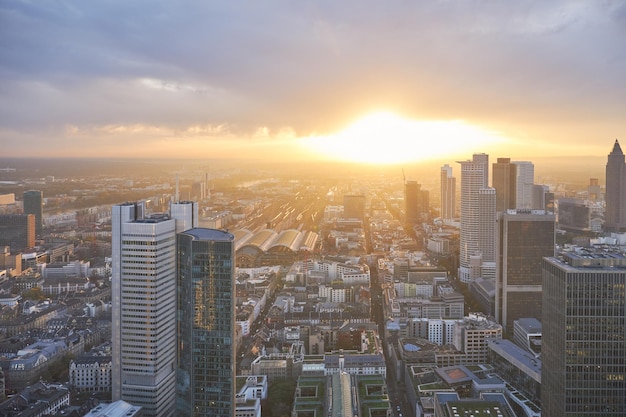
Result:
{"points": [[505, 183], [206, 323], [448, 193], [33, 204], [143, 292], [615, 194], [524, 188], [523, 239], [583, 347], [354, 206], [17, 231], [411, 206], [574, 215], [477, 213]]}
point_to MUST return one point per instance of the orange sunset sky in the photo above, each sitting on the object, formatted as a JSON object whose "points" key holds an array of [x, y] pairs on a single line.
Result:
{"points": [[364, 81]]}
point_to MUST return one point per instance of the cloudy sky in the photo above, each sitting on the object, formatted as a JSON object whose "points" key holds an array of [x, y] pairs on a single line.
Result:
{"points": [[235, 78]]}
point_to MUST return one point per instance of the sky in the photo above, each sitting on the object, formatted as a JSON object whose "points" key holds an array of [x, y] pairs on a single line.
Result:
{"points": [[302, 79]]}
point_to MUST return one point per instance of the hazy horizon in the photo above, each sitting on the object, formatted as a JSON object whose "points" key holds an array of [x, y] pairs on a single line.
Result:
{"points": [[351, 81]]}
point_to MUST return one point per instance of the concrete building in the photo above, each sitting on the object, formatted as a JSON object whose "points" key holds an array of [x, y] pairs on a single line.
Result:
{"points": [[524, 189], [144, 307], [474, 177]]}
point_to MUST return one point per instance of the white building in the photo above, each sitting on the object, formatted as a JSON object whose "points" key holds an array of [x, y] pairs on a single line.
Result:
{"points": [[91, 373], [144, 305], [524, 186]]}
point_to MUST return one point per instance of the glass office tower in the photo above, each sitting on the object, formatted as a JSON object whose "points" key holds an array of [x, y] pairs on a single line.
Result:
{"points": [[206, 323]]}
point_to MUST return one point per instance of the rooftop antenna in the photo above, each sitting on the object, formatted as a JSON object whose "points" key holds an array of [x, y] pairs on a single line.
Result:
{"points": [[403, 177]]}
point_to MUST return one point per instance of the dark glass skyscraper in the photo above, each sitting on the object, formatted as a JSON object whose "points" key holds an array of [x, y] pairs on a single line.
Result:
{"points": [[523, 239], [33, 204], [615, 197], [206, 317], [505, 183], [583, 349]]}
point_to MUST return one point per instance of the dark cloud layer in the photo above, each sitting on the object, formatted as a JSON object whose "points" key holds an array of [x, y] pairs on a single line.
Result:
{"points": [[532, 66]]}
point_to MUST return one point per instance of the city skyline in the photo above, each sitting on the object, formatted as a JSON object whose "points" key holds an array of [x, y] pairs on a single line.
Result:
{"points": [[223, 80]]}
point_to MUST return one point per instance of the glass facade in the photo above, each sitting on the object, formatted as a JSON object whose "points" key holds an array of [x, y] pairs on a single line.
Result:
{"points": [[584, 346], [206, 317]]}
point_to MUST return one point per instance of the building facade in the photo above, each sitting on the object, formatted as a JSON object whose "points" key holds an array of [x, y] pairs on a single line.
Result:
{"points": [[505, 183], [206, 323], [525, 181], [474, 177], [33, 204], [583, 335], [523, 239], [448, 193], [17, 231], [144, 309]]}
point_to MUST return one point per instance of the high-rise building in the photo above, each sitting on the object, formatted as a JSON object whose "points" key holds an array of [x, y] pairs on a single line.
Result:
{"points": [[583, 346], [17, 231], [206, 323], [524, 188], [477, 217], [411, 196], [33, 204], [615, 194], [143, 292], [505, 183], [448, 193], [354, 206], [523, 239]]}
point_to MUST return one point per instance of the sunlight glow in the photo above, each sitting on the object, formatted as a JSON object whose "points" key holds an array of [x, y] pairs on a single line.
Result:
{"points": [[385, 138]]}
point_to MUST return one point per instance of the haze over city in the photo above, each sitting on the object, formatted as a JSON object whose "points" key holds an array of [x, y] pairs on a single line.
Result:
{"points": [[348, 81]]}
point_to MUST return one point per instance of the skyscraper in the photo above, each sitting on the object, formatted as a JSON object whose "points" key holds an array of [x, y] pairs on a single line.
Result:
{"points": [[33, 204], [505, 183], [448, 193], [478, 217], [583, 335], [354, 206], [615, 196], [411, 196], [525, 180], [17, 231], [523, 239], [143, 292], [206, 330]]}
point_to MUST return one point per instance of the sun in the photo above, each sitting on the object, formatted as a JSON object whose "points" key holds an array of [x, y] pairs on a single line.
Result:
{"points": [[386, 138]]}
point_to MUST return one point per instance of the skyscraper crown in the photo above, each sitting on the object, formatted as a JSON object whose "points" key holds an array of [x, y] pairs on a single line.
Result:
{"points": [[616, 148]]}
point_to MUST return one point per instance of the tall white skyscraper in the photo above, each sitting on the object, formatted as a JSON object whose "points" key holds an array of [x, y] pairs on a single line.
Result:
{"points": [[477, 217], [144, 305], [448, 193], [525, 182]]}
